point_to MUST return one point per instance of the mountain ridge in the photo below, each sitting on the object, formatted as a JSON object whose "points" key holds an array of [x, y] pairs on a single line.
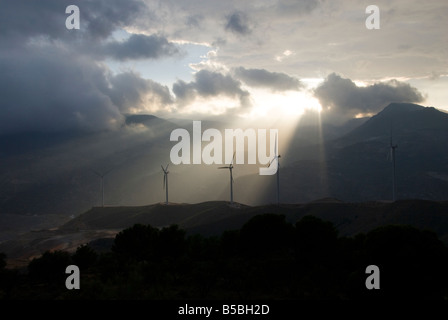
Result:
{"points": [[394, 120], [353, 167]]}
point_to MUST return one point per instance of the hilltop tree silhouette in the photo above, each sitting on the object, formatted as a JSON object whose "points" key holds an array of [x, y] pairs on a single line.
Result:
{"points": [[171, 242], [315, 247], [315, 241], [266, 235], [267, 258], [85, 257], [50, 267], [144, 242], [138, 242]]}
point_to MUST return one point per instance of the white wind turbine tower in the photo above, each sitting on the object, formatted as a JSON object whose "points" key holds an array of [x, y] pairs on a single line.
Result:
{"points": [[165, 181], [102, 183], [230, 167], [277, 159]]}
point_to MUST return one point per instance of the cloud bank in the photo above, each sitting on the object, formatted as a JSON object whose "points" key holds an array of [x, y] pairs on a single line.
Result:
{"points": [[52, 90], [211, 84], [342, 99], [54, 79], [24, 19], [264, 79], [139, 46], [57, 79]]}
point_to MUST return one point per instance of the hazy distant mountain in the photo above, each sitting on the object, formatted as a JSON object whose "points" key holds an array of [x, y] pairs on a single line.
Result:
{"points": [[53, 174], [311, 133], [357, 166], [45, 173], [402, 121], [421, 157]]}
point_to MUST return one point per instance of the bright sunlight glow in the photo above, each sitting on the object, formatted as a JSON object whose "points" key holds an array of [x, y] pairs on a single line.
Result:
{"points": [[289, 104]]}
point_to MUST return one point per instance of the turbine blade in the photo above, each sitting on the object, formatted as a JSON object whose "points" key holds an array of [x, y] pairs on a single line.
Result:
{"points": [[108, 171], [275, 146], [233, 158], [224, 168], [271, 162], [167, 166], [99, 175], [391, 124], [162, 168]]}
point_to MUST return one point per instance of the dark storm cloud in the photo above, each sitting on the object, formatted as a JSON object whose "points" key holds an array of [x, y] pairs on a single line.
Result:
{"points": [[49, 79], [184, 91], [210, 84], [26, 18], [139, 46], [238, 23], [23, 19], [130, 91], [105, 16], [263, 78], [51, 90], [343, 98]]}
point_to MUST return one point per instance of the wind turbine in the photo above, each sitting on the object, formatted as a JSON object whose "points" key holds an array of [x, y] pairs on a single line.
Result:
{"points": [[230, 167], [392, 155], [277, 157], [165, 181], [102, 183]]}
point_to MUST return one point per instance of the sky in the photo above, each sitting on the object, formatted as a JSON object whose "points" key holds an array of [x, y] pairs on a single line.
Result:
{"points": [[246, 60]]}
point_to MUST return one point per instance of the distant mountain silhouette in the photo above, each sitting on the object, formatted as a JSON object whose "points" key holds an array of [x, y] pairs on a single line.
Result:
{"points": [[140, 118], [357, 166], [402, 120], [349, 163], [147, 120]]}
